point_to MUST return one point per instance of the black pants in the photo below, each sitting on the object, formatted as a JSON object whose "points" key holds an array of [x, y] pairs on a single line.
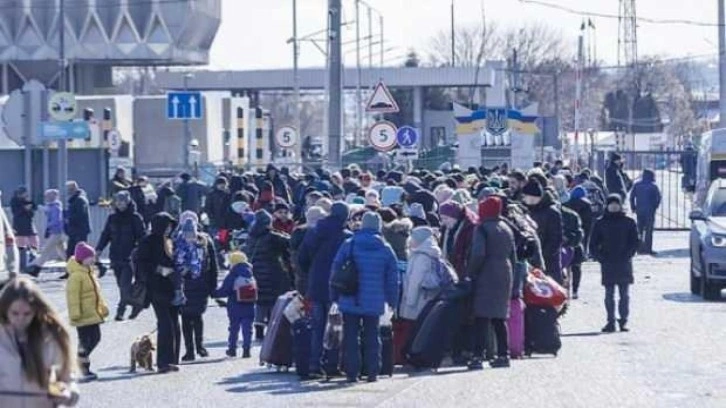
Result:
{"points": [[483, 337], [646, 223], [193, 329], [168, 332], [576, 277], [88, 339], [73, 240], [122, 271]]}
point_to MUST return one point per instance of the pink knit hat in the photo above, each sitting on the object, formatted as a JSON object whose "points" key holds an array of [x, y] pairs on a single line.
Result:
{"points": [[83, 251]]}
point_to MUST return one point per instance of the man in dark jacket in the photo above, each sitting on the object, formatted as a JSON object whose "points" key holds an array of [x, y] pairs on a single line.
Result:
{"points": [[77, 220], [316, 256], [217, 206], [613, 244], [644, 201], [191, 192], [269, 254], [124, 229], [549, 226], [614, 180], [279, 184], [581, 205]]}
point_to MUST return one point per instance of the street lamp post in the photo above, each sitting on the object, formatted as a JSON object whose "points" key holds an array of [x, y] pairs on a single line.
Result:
{"points": [[187, 130]]}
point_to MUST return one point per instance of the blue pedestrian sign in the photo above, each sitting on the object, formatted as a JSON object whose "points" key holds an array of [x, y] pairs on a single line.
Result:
{"points": [[184, 105], [407, 137], [50, 131]]}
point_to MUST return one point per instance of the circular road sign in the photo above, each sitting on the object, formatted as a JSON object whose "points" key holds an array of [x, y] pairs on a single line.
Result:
{"points": [[286, 137], [114, 140], [62, 106], [382, 136]]}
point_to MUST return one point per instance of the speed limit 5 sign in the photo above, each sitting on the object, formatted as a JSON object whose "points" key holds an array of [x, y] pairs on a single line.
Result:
{"points": [[382, 136], [286, 137]]}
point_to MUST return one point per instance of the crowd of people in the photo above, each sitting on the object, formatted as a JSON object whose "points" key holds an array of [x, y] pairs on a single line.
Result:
{"points": [[282, 231]]}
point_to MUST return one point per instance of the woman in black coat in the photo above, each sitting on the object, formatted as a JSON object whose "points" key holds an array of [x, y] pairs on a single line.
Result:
{"points": [[582, 206], [23, 210], [269, 253], [613, 244], [154, 265]]}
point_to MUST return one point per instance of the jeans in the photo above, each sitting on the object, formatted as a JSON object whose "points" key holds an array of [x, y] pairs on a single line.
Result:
{"points": [[72, 242], [483, 338], [235, 326], [371, 345], [88, 339], [646, 223], [123, 273], [193, 329], [168, 332], [319, 319], [623, 304]]}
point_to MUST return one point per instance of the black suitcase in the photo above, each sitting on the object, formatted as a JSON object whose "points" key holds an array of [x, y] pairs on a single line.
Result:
{"points": [[541, 331], [301, 336], [387, 356], [432, 334]]}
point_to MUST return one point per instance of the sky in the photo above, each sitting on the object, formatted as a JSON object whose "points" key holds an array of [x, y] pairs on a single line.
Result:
{"points": [[254, 34]]}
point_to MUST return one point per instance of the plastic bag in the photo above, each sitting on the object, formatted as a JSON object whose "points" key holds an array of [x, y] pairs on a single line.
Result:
{"points": [[333, 338], [541, 290]]}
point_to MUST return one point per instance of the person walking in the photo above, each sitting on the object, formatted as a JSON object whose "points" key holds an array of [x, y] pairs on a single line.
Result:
{"points": [[613, 244], [53, 246], [490, 268], [78, 219], [375, 262], [615, 179], [191, 192], [155, 266], [123, 230], [315, 257], [269, 254], [35, 346], [26, 236], [645, 199], [87, 309], [196, 260], [582, 206]]}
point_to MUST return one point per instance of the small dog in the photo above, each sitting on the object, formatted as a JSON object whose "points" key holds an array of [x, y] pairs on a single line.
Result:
{"points": [[142, 353]]}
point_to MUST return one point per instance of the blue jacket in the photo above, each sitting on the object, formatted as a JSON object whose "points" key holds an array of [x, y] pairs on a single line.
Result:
{"points": [[377, 274], [235, 309], [316, 255], [645, 195], [54, 218]]}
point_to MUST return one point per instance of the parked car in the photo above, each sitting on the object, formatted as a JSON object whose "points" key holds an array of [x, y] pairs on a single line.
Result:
{"points": [[708, 243]]}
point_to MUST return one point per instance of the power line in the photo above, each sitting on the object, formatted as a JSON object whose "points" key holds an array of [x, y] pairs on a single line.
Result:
{"points": [[584, 13]]}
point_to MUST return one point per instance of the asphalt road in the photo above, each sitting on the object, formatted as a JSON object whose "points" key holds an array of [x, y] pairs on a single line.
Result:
{"points": [[673, 357]]}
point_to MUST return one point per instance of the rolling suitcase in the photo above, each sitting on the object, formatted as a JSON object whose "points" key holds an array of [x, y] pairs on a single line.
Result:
{"points": [[541, 331], [401, 332], [301, 337], [387, 350], [277, 345], [432, 333], [515, 325]]}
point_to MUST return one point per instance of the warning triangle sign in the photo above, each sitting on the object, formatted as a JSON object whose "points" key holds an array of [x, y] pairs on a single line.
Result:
{"points": [[382, 101]]}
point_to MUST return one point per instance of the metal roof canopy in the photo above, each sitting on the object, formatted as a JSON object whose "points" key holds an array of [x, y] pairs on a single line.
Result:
{"points": [[490, 75]]}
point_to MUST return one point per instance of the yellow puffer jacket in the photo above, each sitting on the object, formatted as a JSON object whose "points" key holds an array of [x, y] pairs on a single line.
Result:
{"points": [[86, 305]]}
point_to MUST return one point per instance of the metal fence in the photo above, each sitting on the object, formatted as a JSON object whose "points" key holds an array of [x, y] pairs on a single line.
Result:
{"points": [[676, 201]]}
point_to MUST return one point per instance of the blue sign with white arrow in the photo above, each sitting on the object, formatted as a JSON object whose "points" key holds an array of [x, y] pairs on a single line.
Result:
{"points": [[407, 137], [50, 131], [184, 105]]}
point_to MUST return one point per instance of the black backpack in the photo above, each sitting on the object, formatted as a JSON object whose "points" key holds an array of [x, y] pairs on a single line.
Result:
{"points": [[345, 280], [138, 297]]}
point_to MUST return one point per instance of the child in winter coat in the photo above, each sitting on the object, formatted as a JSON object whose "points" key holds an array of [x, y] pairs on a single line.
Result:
{"points": [[240, 288], [87, 308]]}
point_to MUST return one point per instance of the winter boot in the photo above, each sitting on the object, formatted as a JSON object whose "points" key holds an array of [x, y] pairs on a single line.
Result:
{"points": [[500, 362], [231, 352], [188, 357], [202, 352], [609, 328], [88, 375], [475, 364], [623, 325], [259, 333], [246, 353]]}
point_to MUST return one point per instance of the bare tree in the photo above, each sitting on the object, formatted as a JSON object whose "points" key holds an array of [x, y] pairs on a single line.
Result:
{"points": [[473, 45]]}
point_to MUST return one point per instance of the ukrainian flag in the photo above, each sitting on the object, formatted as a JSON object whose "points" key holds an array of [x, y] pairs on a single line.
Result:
{"points": [[472, 122]]}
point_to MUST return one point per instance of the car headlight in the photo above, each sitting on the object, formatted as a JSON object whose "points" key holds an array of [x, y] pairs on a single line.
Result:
{"points": [[718, 241]]}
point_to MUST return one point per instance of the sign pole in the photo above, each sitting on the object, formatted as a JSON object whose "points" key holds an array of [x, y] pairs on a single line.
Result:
{"points": [[187, 130], [62, 144]]}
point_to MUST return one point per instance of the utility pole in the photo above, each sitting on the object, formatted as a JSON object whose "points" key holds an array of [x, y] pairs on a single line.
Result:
{"points": [[335, 84], [453, 35], [358, 85], [62, 144], [556, 81], [370, 38], [578, 94], [722, 62], [383, 51], [296, 79]]}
